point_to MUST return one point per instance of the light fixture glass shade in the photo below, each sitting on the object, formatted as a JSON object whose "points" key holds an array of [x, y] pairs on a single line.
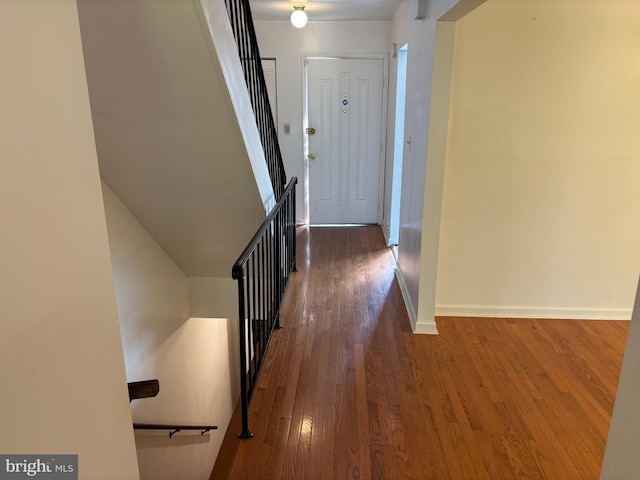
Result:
{"points": [[298, 17]]}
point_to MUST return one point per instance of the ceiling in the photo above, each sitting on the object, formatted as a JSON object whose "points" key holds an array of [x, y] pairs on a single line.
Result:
{"points": [[325, 10]]}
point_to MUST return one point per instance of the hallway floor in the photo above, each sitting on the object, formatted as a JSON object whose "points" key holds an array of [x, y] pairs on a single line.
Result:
{"points": [[347, 391]]}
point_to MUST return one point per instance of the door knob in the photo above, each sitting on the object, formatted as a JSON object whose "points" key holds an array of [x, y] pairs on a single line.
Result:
{"points": [[312, 156], [310, 131]]}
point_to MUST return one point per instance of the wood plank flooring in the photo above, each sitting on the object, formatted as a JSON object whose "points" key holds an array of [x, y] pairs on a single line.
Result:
{"points": [[348, 392]]}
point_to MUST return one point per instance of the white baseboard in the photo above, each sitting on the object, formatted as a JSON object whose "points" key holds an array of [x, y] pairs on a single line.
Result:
{"points": [[422, 327], [427, 328], [411, 311], [501, 311], [385, 232]]}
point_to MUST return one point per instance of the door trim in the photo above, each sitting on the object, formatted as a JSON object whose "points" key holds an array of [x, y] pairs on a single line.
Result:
{"points": [[306, 56]]}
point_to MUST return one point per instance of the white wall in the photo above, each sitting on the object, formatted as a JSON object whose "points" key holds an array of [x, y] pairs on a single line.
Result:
{"points": [[621, 460], [191, 358], [434, 181], [287, 44], [543, 168], [61, 364], [421, 206]]}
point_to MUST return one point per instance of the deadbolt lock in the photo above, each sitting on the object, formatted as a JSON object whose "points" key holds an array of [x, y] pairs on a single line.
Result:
{"points": [[310, 131], [312, 156]]}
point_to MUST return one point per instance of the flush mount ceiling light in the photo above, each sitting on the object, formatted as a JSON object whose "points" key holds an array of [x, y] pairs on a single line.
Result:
{"points": [[298, 17]]}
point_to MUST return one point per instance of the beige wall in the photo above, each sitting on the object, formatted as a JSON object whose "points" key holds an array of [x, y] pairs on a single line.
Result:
{"points": [[191, 358], [61, 365], [540, 202], [151, 291]]}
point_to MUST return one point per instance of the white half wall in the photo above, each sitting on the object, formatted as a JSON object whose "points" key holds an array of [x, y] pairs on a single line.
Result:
{"points": [[64, 389], [191, 357], [540, 209], [213, 297]]}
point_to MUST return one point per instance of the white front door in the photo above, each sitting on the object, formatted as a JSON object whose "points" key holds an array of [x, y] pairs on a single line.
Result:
{"points": [[345, 110]]}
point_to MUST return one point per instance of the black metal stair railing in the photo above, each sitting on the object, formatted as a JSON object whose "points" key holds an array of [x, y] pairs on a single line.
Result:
{"points": [[246, 40], [263, 271]]}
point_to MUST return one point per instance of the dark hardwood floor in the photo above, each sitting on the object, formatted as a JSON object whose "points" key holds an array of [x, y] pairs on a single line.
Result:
{"points": [[348, 392]]}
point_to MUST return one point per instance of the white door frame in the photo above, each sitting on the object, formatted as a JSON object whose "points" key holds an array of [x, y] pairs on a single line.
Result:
{"points": [[305, 121]]}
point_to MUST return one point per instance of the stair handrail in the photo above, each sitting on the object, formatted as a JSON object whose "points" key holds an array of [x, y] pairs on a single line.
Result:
{"points": [[173, 429], [246, 40], [149, 389], [263, 271]]}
